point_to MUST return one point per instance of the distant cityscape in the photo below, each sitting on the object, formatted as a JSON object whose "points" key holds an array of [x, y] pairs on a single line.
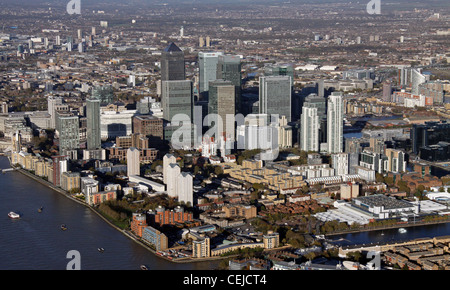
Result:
{"points": [[248, 134]]}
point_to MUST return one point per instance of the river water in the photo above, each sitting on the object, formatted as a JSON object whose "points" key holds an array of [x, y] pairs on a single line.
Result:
{"points": [[392, 235], [36, 241]]}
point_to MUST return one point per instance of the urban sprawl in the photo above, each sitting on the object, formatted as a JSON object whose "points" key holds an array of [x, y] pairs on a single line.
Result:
{"points": [[249, 135]]}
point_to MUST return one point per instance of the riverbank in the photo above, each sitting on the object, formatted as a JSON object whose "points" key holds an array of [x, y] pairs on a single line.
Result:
{"points": [[126, 233], [64, 193]]}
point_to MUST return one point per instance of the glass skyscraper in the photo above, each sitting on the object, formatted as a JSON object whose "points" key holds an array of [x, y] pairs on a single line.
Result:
{"points": [[172, 64], [275, 96], [207, 63]]}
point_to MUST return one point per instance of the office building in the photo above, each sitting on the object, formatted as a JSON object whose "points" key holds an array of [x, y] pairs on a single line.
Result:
{"points": [[229, 69], [149, 126], [222, 107], [430, 133], [335, 123], [207, 63], [93, 124], [177, 98], [280, 70], [275, 96], [172, 64]]}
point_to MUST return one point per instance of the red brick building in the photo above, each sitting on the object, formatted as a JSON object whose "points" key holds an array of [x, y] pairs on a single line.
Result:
{"points": [[172, 217], [138, 223]]}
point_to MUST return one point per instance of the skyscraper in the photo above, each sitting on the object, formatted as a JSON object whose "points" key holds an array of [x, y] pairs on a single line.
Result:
{"points": [[229, 69], [178, 103], [335, 125], [133, 162], [69, 133], [315, 101], [176, 98], [93, 124], [280, 70], [104, 93], [207, 63], [309, 130], [275, 96], [222, 102], [172, 64]]}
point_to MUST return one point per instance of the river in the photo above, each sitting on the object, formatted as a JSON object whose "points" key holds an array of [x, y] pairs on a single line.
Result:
{"points": [[36, 242], [391, 235]]}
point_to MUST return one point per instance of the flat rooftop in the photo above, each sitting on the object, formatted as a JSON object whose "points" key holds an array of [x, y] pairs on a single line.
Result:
{"points": [[379, 200]]}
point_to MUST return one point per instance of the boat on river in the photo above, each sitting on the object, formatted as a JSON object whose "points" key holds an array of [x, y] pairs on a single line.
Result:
{"points": [[13, 215]]}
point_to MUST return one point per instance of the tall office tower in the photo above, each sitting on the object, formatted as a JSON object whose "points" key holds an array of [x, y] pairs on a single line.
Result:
{"points": [[58, 40], [229, 69], [167, 160], [93, 32], [208, 41], [222, 102], [104, 93], [177, 103], [133, 162], [80, 34], [340, 163], [93, 124], [172, 64], [69, 133], [280, 70], [176, 98], [309, 130], [335, 125], [275, 96], [207, 62], [185, 188]]}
